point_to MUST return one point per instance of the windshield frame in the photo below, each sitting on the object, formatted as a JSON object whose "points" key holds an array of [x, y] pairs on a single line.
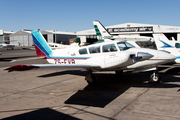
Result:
{"points": [[125, 47]]}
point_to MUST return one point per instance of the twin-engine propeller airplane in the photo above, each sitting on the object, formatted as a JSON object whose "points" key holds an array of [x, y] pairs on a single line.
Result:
{"points": [[106, 56], [75, 43]]}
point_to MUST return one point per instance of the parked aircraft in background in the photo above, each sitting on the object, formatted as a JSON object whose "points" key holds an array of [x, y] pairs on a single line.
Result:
{"points": [[7, 46], [106, 56], [4, 45], [172, 41], [104, 35], [163, 44], [54, 46]]}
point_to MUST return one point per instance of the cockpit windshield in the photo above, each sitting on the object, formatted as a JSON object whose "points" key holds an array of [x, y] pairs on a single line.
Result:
{"points": [[124, 46]]}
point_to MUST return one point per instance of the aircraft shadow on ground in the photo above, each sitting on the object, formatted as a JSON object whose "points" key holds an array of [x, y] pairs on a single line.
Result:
{"points": [[107, 89], [41, 114], [75, 72], [174, 71], [110, 86]]}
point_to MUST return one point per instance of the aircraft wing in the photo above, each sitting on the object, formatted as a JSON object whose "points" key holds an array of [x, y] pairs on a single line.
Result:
{"points": [[26, 59], [32, 66]]}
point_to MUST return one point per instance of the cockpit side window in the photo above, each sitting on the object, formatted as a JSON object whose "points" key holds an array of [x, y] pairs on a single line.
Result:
{"points": [[82, 51], [124, 46], [94, 49], [109, 48]]}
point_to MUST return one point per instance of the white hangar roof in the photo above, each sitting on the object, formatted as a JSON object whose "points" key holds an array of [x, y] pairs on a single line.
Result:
{"points": [[2, 32], [26, 32], [21, 32], [127, 28], [57, 32]]}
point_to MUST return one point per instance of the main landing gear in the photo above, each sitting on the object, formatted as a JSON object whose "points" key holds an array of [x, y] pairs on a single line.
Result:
{"points": [[90, 78]]}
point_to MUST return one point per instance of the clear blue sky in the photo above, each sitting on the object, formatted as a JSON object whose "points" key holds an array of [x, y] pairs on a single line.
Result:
{"points": [[77, 15]]}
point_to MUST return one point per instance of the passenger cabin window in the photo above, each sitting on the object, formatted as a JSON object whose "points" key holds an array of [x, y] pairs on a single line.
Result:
{"points": [[82, 51], [124, 46], [94, 49], [109, 48]]}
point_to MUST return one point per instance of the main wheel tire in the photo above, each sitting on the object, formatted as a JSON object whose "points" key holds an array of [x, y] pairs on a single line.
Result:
{"points": [[93, 82]]}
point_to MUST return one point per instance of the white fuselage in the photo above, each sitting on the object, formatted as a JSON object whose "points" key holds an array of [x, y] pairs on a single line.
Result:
{"points": [[119, 58]]}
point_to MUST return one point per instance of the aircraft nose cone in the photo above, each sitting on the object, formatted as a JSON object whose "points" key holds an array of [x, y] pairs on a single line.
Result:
{"points": [[166, 56], [171, 57]]}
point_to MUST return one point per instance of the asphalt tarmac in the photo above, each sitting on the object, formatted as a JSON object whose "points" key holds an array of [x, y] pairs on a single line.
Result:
{"points": [[55, 94]]}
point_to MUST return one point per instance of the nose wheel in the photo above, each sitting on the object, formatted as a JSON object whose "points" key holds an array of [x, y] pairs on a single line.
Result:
{"points": [[154, 77]]}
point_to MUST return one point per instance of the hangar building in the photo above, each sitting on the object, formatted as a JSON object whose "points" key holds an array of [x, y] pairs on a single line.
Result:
{"points": [[5, 36], [24, 37], [53, 36], [132, 29]]}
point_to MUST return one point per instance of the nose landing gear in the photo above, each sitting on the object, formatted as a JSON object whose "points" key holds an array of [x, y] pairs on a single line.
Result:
{"points": [[155, 78]]}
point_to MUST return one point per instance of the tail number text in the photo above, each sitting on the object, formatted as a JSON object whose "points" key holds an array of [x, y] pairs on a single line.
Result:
{"points": [[64, 61]]}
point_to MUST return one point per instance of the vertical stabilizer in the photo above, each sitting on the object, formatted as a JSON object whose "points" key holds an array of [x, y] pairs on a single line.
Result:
{"points": [[77, 40], [100, 29], [162, 42], [101, 32], [41, 46]]}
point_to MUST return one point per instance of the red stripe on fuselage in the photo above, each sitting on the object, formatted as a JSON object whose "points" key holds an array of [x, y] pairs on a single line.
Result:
{"points": [[39, 52]]}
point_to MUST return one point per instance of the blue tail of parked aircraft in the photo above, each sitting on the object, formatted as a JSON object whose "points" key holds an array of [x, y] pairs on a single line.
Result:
{"points": [[41, 46]]}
